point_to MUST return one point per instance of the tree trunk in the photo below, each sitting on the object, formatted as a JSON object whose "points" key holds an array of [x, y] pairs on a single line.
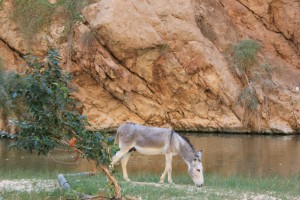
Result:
{"points": [[112, 179]]}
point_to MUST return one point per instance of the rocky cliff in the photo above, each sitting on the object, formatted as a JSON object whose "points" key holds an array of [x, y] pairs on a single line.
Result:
{"points": [[166, 63]]}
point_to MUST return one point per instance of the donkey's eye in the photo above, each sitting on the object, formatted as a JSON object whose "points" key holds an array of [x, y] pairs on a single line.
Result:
{"points": [[195, 159], [198, 170]]}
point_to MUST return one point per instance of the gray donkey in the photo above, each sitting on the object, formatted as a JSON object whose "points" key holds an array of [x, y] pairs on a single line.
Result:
{"points": [[153, 141]]}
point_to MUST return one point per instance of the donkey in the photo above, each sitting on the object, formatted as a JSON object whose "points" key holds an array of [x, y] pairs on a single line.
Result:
{"points": [[153, 141]]}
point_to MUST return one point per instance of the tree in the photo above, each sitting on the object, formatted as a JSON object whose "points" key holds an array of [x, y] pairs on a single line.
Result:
{"points": [[51, 118]]}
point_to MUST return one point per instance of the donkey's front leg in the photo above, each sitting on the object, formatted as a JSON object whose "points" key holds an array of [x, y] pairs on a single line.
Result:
{"points": [[117, 157], [168, 169], [162, 178]]}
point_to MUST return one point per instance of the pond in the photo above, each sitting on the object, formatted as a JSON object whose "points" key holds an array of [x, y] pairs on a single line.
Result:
{"points": [[224, 154]]}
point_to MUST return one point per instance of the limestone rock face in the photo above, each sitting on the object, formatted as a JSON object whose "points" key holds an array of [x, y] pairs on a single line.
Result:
{"points": [[165, 63]]}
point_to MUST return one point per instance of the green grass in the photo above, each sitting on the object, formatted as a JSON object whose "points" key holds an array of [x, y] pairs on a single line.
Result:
{"points": [[216, 187], [29, 174], [276, 184], [57, 194]]}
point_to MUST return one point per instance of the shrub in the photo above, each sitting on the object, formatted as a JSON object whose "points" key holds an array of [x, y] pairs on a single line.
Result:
{"points": [[248, 98], [244, 59], [245, 55], [34, 15], [51, 118], [31, 16]]}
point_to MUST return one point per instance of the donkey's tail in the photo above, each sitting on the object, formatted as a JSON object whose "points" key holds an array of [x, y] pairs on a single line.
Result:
{"points": [[117, 137]]}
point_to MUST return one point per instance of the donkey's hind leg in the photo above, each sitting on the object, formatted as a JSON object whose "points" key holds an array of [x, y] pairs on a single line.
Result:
{"points": [[124, 162]]}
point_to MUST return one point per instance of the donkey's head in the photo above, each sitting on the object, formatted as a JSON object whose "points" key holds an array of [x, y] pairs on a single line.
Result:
{"points": [[196, 169]]}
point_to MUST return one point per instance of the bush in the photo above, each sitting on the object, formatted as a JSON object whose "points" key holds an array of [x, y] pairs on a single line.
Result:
{"points": [[31, 16], [244, 59], [245, 55], [34, 15], [248, 98]]}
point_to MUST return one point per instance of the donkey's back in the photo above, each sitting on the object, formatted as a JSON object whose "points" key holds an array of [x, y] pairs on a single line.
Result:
{"points": [[144, 139]]}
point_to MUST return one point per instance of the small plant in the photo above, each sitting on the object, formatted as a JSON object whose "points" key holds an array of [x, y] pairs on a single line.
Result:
{"points": [[248, 98], [32, 16], [245, 55], [245, 61]]}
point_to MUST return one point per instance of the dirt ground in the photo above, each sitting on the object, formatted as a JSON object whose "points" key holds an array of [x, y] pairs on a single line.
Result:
{"points": [[28, 185]]}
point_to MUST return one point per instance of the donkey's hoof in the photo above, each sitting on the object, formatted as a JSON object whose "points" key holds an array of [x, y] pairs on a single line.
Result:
{"points": [[127, 179], [161, 182]]}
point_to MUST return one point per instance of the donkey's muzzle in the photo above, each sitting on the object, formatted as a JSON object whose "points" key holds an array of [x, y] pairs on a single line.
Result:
{"points": [[200, 185]]}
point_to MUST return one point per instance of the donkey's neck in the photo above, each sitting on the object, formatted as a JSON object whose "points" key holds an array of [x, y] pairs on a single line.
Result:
{"points": [[185, 150]]}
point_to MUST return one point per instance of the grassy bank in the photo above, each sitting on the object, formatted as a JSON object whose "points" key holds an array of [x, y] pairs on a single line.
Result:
{"points": [[146, 187]]}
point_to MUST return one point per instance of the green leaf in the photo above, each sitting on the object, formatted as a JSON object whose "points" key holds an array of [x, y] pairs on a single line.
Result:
{"points": [[110, 140]]}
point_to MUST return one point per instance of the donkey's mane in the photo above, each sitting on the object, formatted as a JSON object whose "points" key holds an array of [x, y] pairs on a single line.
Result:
{"points": [[188, 141]]}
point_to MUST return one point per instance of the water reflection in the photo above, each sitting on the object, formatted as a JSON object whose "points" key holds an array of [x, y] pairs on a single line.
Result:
{"points": [[56, 160], [223, 154]]}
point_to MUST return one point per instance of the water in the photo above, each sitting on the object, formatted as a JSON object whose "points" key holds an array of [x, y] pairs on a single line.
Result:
{"points": [[233, 155], [57, 160], [222, 154]]}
